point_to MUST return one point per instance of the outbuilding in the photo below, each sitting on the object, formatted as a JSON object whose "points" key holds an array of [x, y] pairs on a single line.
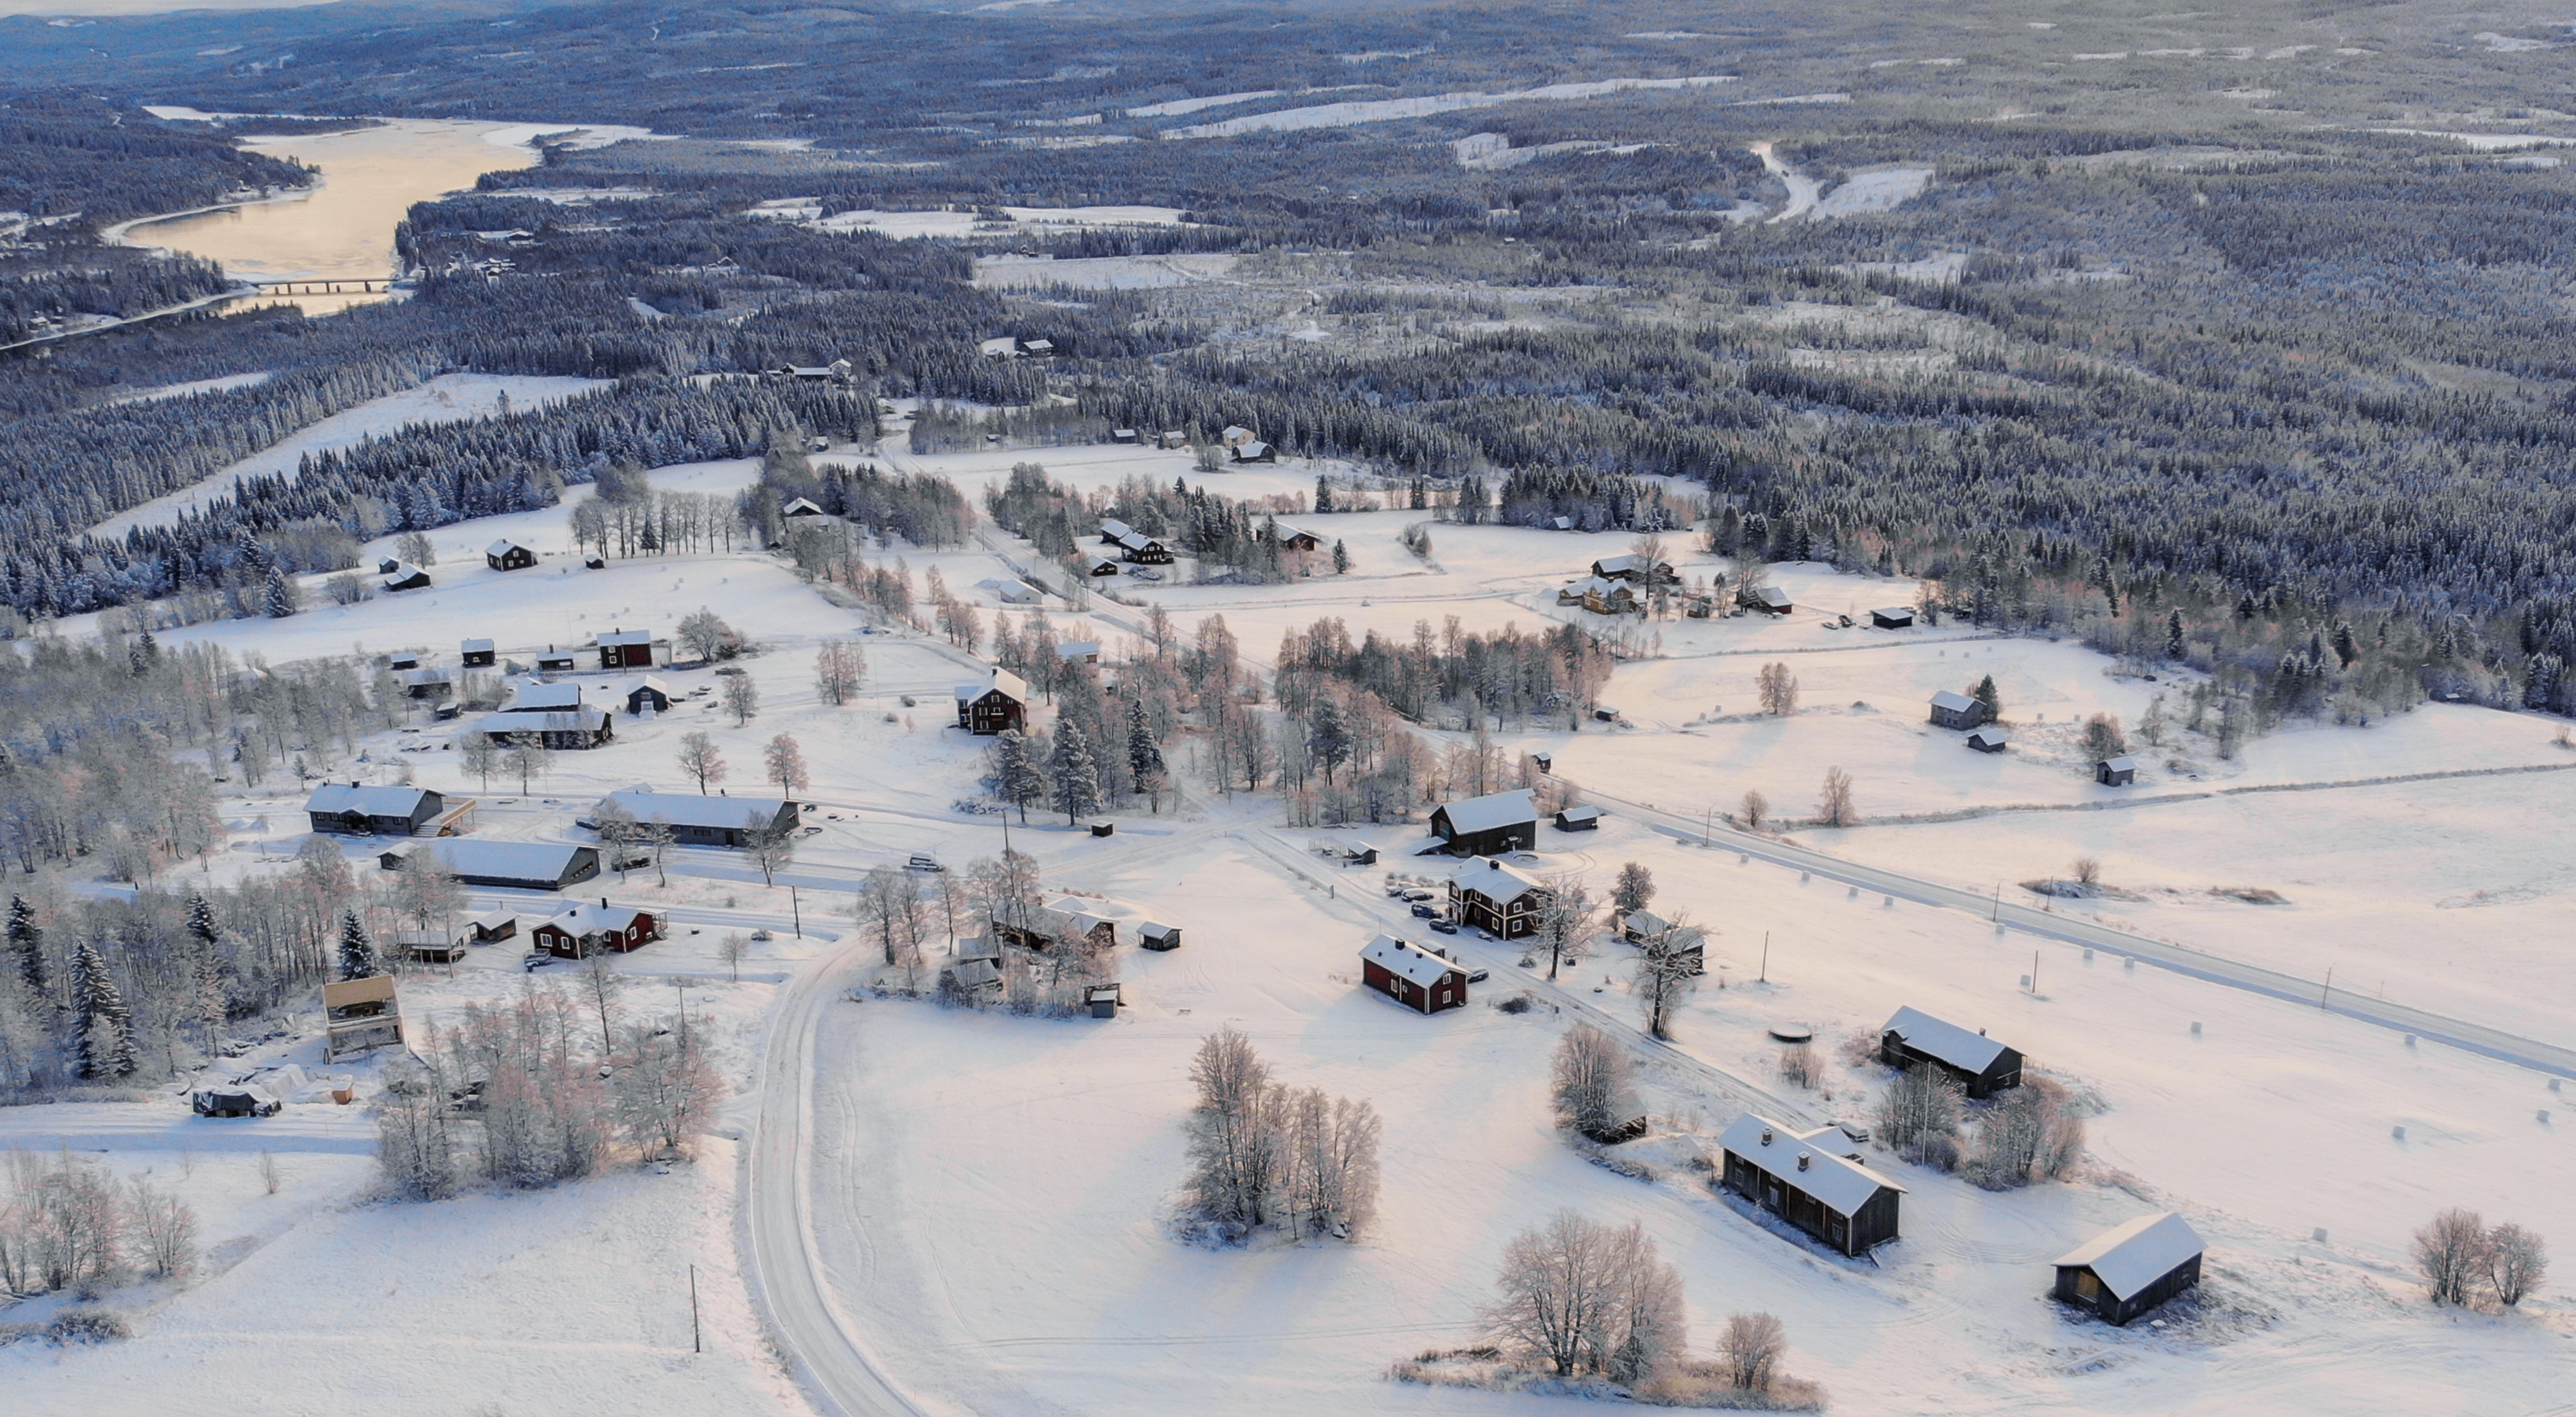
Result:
{"points": [[1983, 1066], [2124, 1272], [1989, 739], [1156, 936], [1412, 975], [508, 555], [1079, 651], [555, 661], [1893, 618], [477, 654], [1578, 819], [2116, 772], [1122, 435], [996, 706], [1098, 565], [801, 507], [1951, 709], [574, 729], [1772, 600], [632, 649], [1254, 451], [406, 576], [1809, 1180], [1489, 825], [428, 683], [518, 865], [648, 692], [358, 1014], [357, 810], [699, 820], [1293, 538]]}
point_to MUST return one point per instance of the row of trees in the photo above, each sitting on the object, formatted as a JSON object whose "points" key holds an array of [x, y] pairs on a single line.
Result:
{"points": [[68, 1223], [1266, 1156]]}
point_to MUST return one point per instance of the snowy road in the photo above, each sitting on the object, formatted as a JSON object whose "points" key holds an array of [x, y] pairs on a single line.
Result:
{"points": [[2551, 1058]]}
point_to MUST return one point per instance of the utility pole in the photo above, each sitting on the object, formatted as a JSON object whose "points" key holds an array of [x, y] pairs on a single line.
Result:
{"points": [[2329, 993], [2034, 974], [1766, 957], [1999, 903], [796, 912], [697, 1341]]}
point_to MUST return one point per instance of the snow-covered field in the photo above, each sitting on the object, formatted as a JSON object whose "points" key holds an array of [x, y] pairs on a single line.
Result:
{"points": [[1101, 272], [1357, 111], [989, 1194]]}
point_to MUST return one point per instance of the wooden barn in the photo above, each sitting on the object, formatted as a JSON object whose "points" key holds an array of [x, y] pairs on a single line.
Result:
{"points": [[1894, 618], [1632, 567], [406, 576], [996, 706], [1989, 739], [477, 654], [1489, 825], [632, 649], [1578, 819], [1041, 927], [1772, 600], [1154, 935], [1983, 1066], [1254, 451], [2122, 1273], [1494, 897], [508, 555], [1810, 1180], [573, 729], [2116, 772], [519, 865], [356, 810], [1951, 709], [696, 819], [1412, 975], [585, 930], [1297, 538]]}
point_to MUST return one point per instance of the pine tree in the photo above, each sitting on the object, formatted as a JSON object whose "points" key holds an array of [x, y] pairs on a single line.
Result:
{"points": [[278, 601], [1016, 778], [106, 1042], [1328, 736], [1323, 494], [1076, 774], [2173, 635], [1144, 755], [27, 942], [357, 949], [1986, 693], [1341, 559], [205, 964]]}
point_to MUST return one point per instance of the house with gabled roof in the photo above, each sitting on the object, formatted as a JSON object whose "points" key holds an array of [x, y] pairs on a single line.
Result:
{"points": [[2123, 1272], [696, 819], [360, 810], [1810, 1180], [1497, 898], [1951, 709], [508, 555], [1489, 825], [997, 705], [1413, 976], [632, 649], [586, 929], [1912, 1038]]}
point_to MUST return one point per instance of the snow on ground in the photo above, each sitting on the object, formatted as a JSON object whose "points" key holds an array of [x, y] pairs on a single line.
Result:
{"points": [[964, 222], [196, 386], [1174, 108], [1875, 190], [447, 398], [1350, 113], [1100, 272]]}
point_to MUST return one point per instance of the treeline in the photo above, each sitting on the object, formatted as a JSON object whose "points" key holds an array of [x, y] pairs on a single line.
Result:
{"points": [[114, 281], [62, 154], [1224, 536]]}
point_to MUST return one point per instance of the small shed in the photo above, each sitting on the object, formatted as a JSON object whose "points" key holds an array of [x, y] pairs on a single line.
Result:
{"points": [[1173, 438], [1578, 819], [1359, 853], [1806, 1180], [1104, 1000], [402, 659], [508, 555], [1079, 651], [1100, 565], [493, 925], [2116, 772], [1989, 739], [1122, 435], [428, 683], [1895, 618], [648, 692], [386, 566], [1297, 538], [407, 577], [234, 1099], [1983, 1066], [1951, 709], [1156, 936], [1772, 600], [2124, 1272], [477, 654], [555, 661]]}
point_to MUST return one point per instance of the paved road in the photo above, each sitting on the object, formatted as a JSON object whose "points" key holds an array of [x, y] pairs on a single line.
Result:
{"points": [[2551, 1058]]}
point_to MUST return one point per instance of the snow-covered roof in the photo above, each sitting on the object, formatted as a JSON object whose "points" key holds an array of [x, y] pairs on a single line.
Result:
{"points": [[491, 919], [2123, 763], [1235, 432], [587, 718], [1644, 922], [1597, 585], [478, 647], [1287, 532], [1004, 680], [1831, 1137], [1617, 565], [1772, 595], [1115, 529], [688, 809], [508, 860], [1155, 930], [1494, 809], [1989, 734], [1136, 541], [505, 546], [370, 801], [1579, 814], [1843, 1184], [626, 637], [1951, 701], [801, 507], [1407, 960], [588, 919], [404, 571], [1895, 612], [1078, 649], [1494, 880], [653, 682], [1956, 1046], [2130, 1257], [1250, 448], [428, 676], [538, 696]]}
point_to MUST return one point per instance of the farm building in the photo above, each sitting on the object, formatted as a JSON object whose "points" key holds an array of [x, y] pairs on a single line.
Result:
{"points": [[1100, 565], [801, 507], [493, 925], [406, 576], [1114, 532], [2123, 1272], [994, 707], [1633, 568], [975, 965], [1687, 943], [1104, 999], [1254, 451], [1989, 739], [571, 729], [1489, 825], [477, 654], [1144, 550], [539, 696], [1155, 936], [1079, 651], [508, 555], [632, 649], [586, 929], [555, 661], [2116, 772], [1235, 435], [1412, 975], [373, 811], [1578, 819], [1983, 1066], [1951, 709], [1122, 435], [1040, 927], [1297, 538], [648, 692], [1641, 925], [401, 660], [428, 683], [1492, 896], [1893, 618], [1809, 1180], [522, 865], [1772, 600], [359, 1014], [698, 820]]}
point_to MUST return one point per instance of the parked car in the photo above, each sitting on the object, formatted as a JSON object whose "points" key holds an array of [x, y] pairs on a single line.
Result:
{"points": [[1424, 912], [762, 935], [234, 1100], [1445, 927], [923, 863], [536, 962], [1478, 976], [1417, 893]]}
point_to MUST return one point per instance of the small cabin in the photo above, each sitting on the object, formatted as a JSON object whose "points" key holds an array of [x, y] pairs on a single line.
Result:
{"points": [[477, 654], [1099, 566], [996, 706], [555, 661], [1359, 853], [402, 659], [1412, 975], [1489, 825], [1894, 618], [1809, 1180], [1104, 1000], [387, 566], [1951, 709], [1989, 739], [1912, 1038], [2116, 772], [1156, 936], [492, 926], [1172, 438], [1297, 538], [508, 555], [1579, 819], [1079, 651], [359, 1014], [406, 576], [2122, 1273], [1772, 600], [428, 683]]}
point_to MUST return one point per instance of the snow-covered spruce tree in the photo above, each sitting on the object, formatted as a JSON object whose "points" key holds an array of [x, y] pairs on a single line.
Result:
{"points": [[279, 599], [358, 958], [106, 1031], [1016, 778], [205, 1000], [27, 944], [1074, 775], [1145, 756]]}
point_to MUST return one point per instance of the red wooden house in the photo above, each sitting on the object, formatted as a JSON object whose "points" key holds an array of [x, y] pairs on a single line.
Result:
{"points": [[586, 929], [1412, 975]]}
